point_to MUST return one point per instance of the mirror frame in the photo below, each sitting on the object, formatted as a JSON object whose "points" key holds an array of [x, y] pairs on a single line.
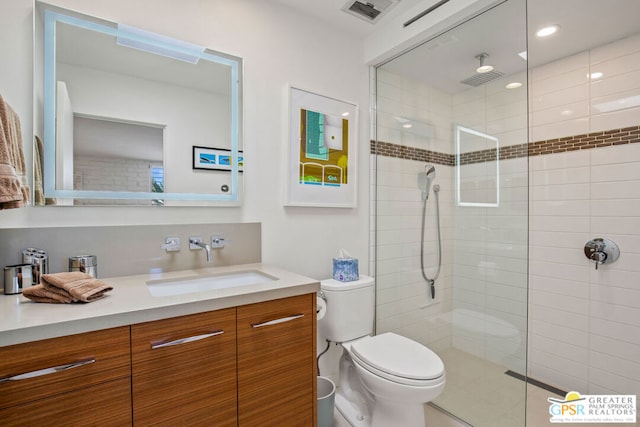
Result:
{"points": [[458, 131], [54, 15]]}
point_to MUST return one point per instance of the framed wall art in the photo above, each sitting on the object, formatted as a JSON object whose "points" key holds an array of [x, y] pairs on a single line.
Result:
{"points": [[209, 158], [322, 151]]}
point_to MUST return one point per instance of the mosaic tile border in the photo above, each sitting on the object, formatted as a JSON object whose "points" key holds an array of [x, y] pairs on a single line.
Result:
{"points": [[628, 135], [411, 153]]}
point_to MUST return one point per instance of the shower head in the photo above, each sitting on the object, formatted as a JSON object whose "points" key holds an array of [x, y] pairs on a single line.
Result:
{"points": [[425, 179], [430, 169], [484, 73]]}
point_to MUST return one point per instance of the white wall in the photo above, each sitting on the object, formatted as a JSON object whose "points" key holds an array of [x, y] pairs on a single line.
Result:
{"points": [[279, 47]]}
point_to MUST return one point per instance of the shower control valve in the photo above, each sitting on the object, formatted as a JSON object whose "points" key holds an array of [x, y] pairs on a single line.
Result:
{"points": [[601, 251]]}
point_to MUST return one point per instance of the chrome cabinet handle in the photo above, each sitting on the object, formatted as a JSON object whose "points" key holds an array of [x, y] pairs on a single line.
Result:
{"points": [[47, 371], [276, 321], [186, 340]]}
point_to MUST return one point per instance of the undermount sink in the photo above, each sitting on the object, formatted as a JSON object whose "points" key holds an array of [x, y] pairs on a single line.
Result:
{"points": [[193, 284]]}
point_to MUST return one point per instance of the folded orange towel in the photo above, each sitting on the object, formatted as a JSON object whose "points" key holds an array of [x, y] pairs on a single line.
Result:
{"points": [[80, 286], [39, 293]]}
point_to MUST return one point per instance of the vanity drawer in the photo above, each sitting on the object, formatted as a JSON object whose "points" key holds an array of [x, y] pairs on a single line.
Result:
{"points": [[276, 362], [49, 367], [184, 370], [105, 405]]}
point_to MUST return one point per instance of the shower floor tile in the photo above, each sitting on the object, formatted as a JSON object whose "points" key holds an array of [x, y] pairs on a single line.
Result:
{"points": [[481, 394]]}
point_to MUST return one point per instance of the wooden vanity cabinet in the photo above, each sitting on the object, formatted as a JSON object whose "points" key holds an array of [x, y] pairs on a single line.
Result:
{"points": [[184, 370], [77, 380], [252, 365], [277, 362]]}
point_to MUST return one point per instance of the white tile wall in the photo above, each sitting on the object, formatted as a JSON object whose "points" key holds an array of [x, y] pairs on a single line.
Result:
{"points": [[403, 303], [490, 243], [124, 175], [428, 109], [584, 325], [488, 273]]}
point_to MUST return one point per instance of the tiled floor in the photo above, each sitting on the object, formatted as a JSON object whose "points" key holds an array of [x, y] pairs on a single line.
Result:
{"points": [[480, 393]]}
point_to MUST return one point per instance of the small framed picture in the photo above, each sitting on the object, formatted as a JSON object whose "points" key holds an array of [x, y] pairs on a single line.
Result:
{"points": [[209, 158], [322, 151]]}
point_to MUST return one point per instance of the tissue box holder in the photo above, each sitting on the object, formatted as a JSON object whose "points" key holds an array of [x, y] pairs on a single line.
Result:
{"points": [[345, 269]]}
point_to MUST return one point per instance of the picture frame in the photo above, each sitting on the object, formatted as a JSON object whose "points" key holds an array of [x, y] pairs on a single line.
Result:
{"points": [[209, 158], [321, 169]]}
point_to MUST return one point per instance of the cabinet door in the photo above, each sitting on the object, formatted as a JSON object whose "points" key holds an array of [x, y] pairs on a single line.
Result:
{"points": [[184, 370], [46, 368], [276, 363], [103, 405]]}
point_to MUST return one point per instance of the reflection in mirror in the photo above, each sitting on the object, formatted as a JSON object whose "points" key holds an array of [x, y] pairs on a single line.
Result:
{"points": [[477, 168], [117, 156], [123, 109]]}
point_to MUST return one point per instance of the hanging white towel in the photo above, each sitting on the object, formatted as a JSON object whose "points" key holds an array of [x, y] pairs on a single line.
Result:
{"points": [[14, 189]]}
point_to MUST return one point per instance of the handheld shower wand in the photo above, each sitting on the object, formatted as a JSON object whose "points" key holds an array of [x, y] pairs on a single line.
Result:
{"points": [[425, 179]]}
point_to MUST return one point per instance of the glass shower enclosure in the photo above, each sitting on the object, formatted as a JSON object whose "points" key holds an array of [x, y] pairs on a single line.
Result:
{"points": [[451, 259]]}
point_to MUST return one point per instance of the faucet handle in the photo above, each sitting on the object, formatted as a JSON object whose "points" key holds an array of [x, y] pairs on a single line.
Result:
{"points": [[195, 243], [218, 241], [171, 244]]}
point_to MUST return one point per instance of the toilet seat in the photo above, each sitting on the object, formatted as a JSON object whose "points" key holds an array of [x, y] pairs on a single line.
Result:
{"points": [[398, 359]]}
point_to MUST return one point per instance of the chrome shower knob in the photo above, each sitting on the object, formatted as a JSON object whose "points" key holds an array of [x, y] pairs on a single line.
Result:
{"points": [[601, 251]]}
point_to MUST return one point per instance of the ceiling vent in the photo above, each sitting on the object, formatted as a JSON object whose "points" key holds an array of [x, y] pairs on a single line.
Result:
{"points": [[369, 10]]}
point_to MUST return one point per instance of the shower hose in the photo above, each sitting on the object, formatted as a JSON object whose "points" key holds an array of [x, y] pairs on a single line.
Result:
{"points": [[431, 282]]}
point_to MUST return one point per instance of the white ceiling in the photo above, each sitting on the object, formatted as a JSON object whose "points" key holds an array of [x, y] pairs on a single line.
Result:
{"points": [[583, 24], [329, 11]]}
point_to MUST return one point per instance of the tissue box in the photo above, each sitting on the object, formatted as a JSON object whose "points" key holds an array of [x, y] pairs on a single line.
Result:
{"points": [[345, 269]]}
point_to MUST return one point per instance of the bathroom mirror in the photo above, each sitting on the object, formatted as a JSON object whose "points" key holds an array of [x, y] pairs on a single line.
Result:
{"points": [[119, 111], [477, 168]]}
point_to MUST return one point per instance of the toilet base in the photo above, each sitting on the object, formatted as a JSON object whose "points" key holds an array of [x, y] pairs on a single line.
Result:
{"points": [[394, 414], [355, 416]]}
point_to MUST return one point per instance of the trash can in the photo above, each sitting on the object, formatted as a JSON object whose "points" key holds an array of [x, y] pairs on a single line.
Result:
{"points": [[326, 396]]}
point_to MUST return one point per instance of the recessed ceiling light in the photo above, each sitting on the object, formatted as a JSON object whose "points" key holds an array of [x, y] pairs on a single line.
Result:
{"points": [[595, 75], [547, 31], [513, 85], [345, 114], [407, 125]]}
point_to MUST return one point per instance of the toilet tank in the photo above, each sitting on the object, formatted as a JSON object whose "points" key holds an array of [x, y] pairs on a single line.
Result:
{"points": [[350, 309]]}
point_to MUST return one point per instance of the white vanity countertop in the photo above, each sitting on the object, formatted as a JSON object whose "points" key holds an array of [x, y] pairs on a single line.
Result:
{"points": [[130, 302]]}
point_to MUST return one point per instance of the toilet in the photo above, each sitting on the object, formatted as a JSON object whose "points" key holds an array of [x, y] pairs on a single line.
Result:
{"points": [[384, 380]]}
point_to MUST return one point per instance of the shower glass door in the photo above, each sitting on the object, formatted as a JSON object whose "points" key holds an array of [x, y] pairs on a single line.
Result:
{"points": [[434, 106]]}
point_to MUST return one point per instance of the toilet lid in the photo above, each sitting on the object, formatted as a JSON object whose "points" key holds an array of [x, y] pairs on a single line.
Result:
{"points": [[399, 356]]}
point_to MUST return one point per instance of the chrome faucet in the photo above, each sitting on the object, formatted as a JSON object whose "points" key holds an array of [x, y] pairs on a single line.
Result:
{"points": [[195, 243]]}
